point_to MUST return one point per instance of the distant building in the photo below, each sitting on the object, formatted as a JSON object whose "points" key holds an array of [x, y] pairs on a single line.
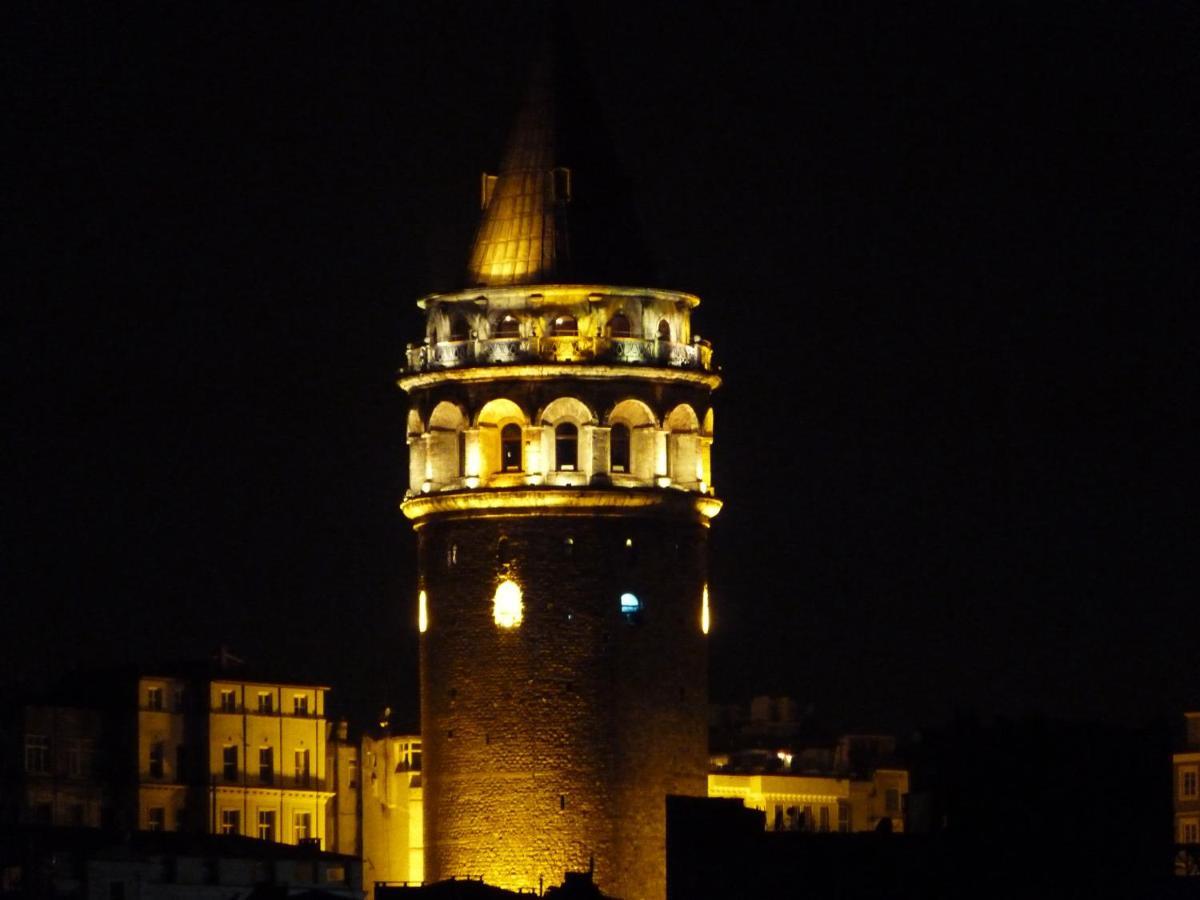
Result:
{"points": [[819, 803], [195, 749], [1187, 799], [48, 862], [772, 759], [50, 770], [392, 811]]}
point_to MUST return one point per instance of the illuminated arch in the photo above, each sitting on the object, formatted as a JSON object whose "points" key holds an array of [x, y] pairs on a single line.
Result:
{"points": [[567, 409], [685, 465], [507, 326], [493, 418], [641, 422], [416, 451], [566, 444], [445, 448]]}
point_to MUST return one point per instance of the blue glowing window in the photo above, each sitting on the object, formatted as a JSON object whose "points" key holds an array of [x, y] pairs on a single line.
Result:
{"points": [[630, 605]]}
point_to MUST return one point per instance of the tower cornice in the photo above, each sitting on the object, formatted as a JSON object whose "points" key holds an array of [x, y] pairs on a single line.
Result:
{"points": [[549, 371], [565, 501]]}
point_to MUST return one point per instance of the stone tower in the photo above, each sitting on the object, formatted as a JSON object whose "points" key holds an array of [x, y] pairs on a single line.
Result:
{"points": [[560, 486]]}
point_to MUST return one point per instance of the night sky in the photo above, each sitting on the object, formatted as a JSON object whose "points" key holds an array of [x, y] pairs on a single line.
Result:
{"points": [[947, 257]]}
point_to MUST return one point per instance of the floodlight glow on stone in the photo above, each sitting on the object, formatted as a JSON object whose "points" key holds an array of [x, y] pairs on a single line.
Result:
{"points": [[506, 605], [422, 613], [630, 604], [705, 621]]}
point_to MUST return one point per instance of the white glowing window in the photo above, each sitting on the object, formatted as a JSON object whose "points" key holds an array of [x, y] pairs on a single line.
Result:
{"points": [[422, 613], [506, 605], [705, 619], [630, 605]]}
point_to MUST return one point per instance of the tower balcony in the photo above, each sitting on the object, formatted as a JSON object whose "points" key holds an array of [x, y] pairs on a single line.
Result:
{"points": [[635, 351]]}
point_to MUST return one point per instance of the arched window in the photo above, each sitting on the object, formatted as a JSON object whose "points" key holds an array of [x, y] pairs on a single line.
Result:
{"points": [[618, 326], [566, 447], [619, 448], [510, 448], [458, 329], [664, 330], [564, 326], [508, 327]]}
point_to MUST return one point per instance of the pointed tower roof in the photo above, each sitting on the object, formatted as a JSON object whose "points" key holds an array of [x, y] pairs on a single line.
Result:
{"points": [[559, 211]]}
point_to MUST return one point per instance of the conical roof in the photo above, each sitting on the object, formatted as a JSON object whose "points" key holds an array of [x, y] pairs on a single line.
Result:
{"points": [[559, 211]]}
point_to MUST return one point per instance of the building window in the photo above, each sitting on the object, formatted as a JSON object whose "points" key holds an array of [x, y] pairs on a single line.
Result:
{"points": [[1189, 788], [231, 821], [228, 701], [303, 770], [156, 819], [154, 698], [302, 826], [266, 702], [618, 326], [229, 762], [462, 454], [459, 330], [79, 753], [843, 817], [1189, 831], [823, 818], [300, 705], [451, 555], [566, 447], [266, 765], [37, 754], [179, 699], [891, 801], [510, 448], [631, 607], [156, 760], [508, 327], [619, 448], [564, 326], [266, 824]]}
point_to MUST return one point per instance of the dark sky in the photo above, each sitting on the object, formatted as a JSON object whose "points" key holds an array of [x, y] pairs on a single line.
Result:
{"points": [[947, 257]]}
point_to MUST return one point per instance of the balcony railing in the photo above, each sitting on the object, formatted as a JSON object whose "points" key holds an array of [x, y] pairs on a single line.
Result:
{"points": [[502, 351]]}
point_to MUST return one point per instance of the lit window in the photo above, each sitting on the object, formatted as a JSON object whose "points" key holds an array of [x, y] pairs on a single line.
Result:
{"points": [[156, 819], [300, 705], [266, 824], [510, 448], [1188, 783], [154, 698], [1189, 831], [564, 326], [508, 327], [506, 605], [630, 606], [231, 821], [228, 701], [422, 613], [705, 616], [266, 702], [618, 326], [664, 330], [619, 448], [302, 826], [458, 329], [266, 765], [229, 762], [566, 447]]}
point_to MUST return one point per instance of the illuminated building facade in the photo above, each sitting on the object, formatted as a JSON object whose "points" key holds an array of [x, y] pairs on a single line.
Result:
{"points": [[392, 818], [1186, 772], [229, 756], [560, 485]]}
